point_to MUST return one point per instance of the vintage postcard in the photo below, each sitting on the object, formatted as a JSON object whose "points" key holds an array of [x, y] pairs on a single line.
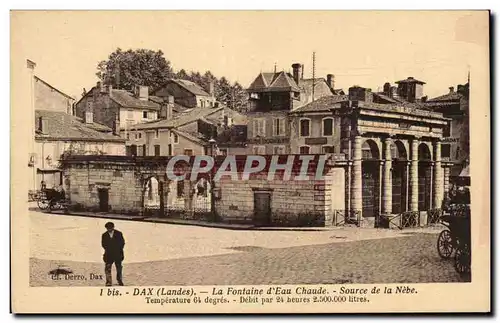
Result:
{"points": [[250, 161]]}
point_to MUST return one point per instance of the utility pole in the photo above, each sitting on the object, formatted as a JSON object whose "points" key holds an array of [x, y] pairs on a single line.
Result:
{"points": [[314, 74]]}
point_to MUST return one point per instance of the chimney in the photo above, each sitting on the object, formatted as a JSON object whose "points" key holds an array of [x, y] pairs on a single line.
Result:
{"points": [[89, 113], [330, 80], [169, 107], [451, 89], [394, 92], [297, 72], [387, 89], [116, 125], [302, 72], [42, 125], [142, 93], [211, 88], [424, 99]]}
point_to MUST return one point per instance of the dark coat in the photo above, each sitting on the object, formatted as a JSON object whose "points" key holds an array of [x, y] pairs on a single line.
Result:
{"points": [[113, 247]]}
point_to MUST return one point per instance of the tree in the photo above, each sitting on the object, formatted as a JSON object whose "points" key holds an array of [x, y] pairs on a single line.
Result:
{"points": [[124, 69]]}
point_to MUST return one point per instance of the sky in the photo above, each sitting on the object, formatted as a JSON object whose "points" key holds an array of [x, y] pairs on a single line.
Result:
{"points": [[359, 48]]}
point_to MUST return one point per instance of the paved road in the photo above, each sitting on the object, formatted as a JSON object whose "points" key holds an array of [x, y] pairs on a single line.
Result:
{"points": [[165, 254]]}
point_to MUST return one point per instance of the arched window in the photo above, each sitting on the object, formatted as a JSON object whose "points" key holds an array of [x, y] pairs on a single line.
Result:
{"points": [[304, 150]]}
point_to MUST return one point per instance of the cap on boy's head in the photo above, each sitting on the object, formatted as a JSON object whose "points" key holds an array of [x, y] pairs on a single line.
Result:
{"points": [[109, 225]]}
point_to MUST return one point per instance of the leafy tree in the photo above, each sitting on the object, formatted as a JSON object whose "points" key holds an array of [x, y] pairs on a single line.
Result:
{"points": [[124, 69]]}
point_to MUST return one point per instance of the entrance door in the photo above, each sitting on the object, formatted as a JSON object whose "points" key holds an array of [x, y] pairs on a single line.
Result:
{"points": [[399, 188], [370, 189], [103, 199], [424, 186], [262, 207]]}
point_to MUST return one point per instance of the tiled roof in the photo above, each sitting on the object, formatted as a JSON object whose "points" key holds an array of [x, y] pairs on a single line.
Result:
{"points": [[279, 81], [410, 80], [63, 126], [237, 117], [447, 97], [323, 104], [183, 118], [197, 138], [404, 107], [96, 126], [191, 87], [177, 107], [127, 100], [387, 98]]}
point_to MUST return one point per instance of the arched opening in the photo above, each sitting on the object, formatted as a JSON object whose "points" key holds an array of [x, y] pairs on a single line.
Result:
{"points": [[151, 197], [424, 177], [399, 177], [370, 178], [202, 198]]}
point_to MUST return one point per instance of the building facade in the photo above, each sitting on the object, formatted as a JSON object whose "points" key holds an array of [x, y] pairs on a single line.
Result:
{"points": [[116, 108], [189, 132], [272, 96], [187, 93], [455, 105], [58, 134], [49, 98]]}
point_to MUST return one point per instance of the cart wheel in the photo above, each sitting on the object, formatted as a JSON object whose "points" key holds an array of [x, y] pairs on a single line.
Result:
{"points": [[43, 204], [462, 260], [445, 244]]}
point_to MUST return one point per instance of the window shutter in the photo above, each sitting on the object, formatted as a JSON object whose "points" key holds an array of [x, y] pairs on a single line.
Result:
{"points": [[282, 126]]}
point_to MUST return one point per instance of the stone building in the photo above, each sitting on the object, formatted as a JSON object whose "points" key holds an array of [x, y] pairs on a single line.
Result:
{"points": [[189, 132], [117, 108], [392, 142], [122, 184], [455, 105], [58, 134], [271, 97], [187, 93]]}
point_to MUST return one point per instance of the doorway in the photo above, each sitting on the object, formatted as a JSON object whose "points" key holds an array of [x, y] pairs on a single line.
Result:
{"points": [[103, 194], [262, 207], [370, 189], [399, 187]]}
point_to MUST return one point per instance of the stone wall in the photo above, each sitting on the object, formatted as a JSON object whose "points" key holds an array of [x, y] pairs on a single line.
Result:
{"points": [[293, 202], [125, 189]]}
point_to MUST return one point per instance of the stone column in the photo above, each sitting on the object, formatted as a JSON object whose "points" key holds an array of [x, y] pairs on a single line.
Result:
{"points": [[387, 180], [438, 177], [414, 176], [356, 192]]}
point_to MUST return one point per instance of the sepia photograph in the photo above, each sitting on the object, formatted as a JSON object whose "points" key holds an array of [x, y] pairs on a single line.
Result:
{"points": [[250, 161]]}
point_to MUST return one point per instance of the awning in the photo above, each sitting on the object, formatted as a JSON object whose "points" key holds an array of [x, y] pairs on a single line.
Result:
{"points": [[48, 170], [465, 172]]}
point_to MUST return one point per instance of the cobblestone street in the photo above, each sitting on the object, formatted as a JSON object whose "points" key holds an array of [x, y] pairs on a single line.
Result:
{"points": [[166, 254]]}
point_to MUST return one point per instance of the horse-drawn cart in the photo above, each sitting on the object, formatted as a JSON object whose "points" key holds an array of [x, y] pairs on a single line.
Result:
{"points": [[52, 199], [457, 237]]}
